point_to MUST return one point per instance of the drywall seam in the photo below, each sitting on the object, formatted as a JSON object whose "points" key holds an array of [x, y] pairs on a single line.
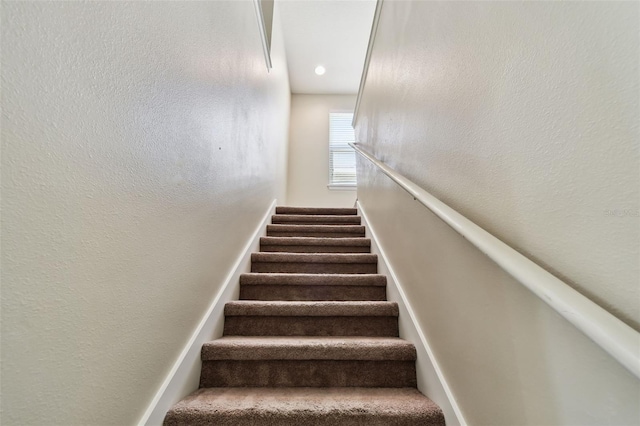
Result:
{"points": [[427, 367], [184, 375]]}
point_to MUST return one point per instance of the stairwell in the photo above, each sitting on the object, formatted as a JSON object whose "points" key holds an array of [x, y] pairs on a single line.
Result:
{"points": [[312, 340]]}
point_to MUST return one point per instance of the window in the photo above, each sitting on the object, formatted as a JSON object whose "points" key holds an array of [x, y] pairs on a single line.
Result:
{"points": [[342, 158]]}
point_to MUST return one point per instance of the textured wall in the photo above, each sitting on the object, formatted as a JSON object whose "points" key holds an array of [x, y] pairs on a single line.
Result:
{"points": [[309, 151], [141, 143], [507, 357], [523, 116]]}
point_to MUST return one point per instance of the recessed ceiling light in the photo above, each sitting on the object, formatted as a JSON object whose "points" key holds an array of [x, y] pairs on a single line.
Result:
{"points": [[320, 70]]}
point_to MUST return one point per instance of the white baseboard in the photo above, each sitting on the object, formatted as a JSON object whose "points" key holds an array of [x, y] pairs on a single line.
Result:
{"points": [[184, 376], [431, 380]]}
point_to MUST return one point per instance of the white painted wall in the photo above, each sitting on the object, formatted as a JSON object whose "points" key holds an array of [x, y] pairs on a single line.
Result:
{"points": [[523, 117], [142, 142], [506, 356], [429, 375], [308, 173]]}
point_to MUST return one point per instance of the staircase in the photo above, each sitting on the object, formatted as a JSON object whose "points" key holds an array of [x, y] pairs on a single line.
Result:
{"points": [[312, 340]]}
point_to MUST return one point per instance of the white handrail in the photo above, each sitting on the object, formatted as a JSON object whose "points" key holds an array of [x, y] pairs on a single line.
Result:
{"points": [[614, 336]]}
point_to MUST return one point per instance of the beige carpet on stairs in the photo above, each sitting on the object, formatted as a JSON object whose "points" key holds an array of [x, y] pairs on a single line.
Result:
{"points": [[312, 340]]}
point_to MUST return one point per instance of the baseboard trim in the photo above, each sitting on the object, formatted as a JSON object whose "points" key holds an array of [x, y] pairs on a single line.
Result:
{"points": [[184, 376], [431, 380]]}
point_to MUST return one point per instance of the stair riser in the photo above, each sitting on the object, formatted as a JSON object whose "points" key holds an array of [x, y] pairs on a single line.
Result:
{"points": [[282, 363], [313, 280], [308, 373], [315, 234], [310, 326], [310, 293], [316, 210], [315, 249], [315, 268], [307, 417], [314, 220]]}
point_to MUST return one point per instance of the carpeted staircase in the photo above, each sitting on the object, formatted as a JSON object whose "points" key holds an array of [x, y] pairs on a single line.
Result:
{"points": [[312, 340]]}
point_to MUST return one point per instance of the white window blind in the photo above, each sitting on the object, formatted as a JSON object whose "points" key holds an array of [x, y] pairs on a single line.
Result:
{"points": [[342, 158]]}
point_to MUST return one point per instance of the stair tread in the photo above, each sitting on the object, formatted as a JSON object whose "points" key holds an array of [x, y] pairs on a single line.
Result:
{"points": [[308, 348], [315, 241], [314, 257], [316, 210], [264, 278], [313, 340], [309, 406], [317, 228], [311, 308]]}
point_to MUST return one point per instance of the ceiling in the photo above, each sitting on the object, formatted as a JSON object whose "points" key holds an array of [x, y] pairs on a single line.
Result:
{"points": [[331, 33]]}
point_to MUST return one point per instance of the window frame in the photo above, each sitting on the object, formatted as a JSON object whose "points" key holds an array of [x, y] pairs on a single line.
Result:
{"points": [[337, 186]]}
